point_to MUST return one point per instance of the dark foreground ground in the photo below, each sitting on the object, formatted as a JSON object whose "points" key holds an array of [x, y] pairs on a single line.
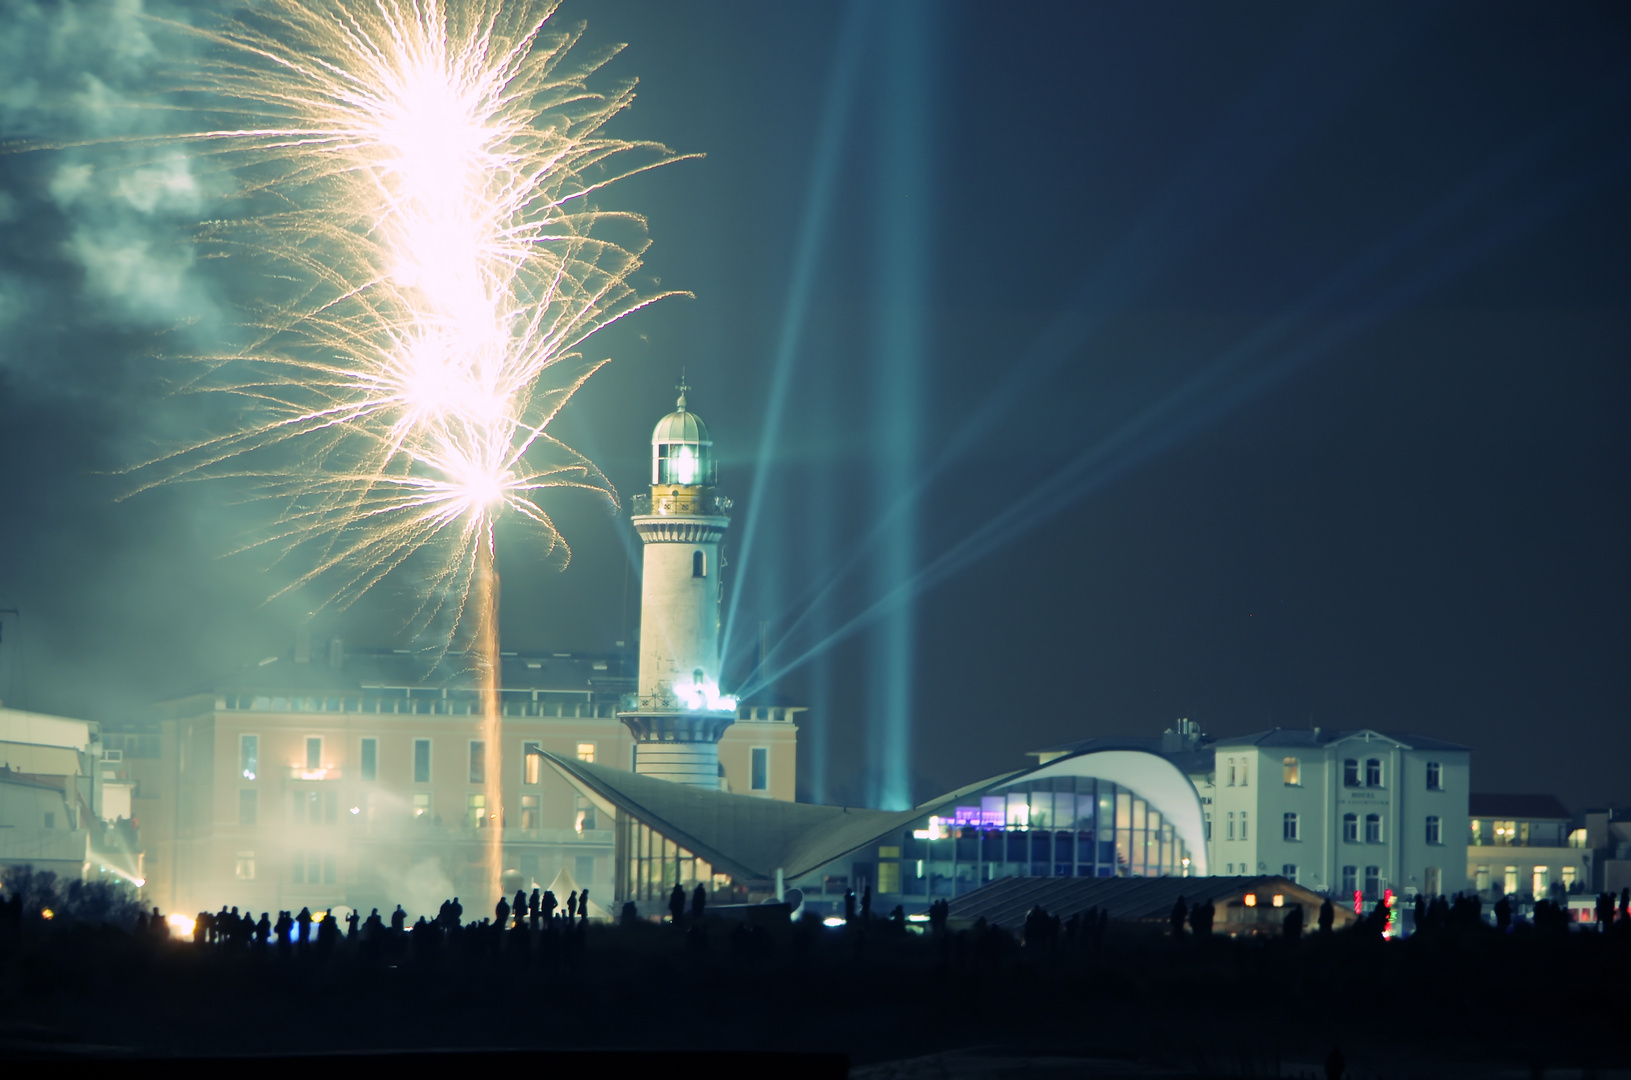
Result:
{"points": [[1456, 1002]]}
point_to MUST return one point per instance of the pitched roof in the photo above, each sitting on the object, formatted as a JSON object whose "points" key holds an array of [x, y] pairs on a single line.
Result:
{"points": [[1516, 806], [1007, 901], [744, 834], [1323, 737]]}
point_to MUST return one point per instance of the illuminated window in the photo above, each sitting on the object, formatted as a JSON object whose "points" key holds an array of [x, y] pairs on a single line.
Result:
{"points": [[1373, 772], [1350, 828], [421, 804], [1289, 872], [1434, 835], [478, 761], [760, 780], [244, 869], [421, 761], [533, 768], [1435, 776], [1477, 833], [1568, 878], [584, 815], [1506, 834], [1577, 838], [1540, 882], [1373, 828], [370, 759], [314, 752], [1509, 882], [1231, 825], [699, 564], [529, 811], [1350, 772], [1432, 881], [586, 752], [249, 753], [1373, 883], [475, 811], [1481, 879], [248, 806], [1292, 768], [1350, 880], [1291, 828]]}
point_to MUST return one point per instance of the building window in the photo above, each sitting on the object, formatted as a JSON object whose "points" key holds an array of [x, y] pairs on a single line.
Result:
{"points": [[1506, 833], [760, 779], [1289, 872], [475, 810], [1373, 772], [1350, 880], [1231, 772], [1434, 834], [1435, 777], [1209, 828], [421, 761], [1510, 880], [699, 564], [1245, 770], [50, 819], [584, 815], [1477, 833], [533, 759], [1541, 881], [1350, 772], [248, 805], [1481, 879], [249, 755], [478, 761], [1292, 768], [244, 868], [314, 752], [421, 804], [1568, 878], [1373, 828], [1243, 824], [370, 759], [1291, 831], [1373, 883], [529, 811], [1350, 828], [1231, 868], [1231, 825], [586, 752], [1432, 881]]}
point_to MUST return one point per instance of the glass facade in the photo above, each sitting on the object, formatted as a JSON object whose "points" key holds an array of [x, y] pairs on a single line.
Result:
{"points": [[1067, 826], [649, 864]]}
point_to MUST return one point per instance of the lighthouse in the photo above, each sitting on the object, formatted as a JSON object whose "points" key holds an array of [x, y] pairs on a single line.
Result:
{"points": [[679, 713]]}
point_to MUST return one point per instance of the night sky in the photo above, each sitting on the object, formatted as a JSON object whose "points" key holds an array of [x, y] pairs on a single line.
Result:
{"points": [[1258, 364]]}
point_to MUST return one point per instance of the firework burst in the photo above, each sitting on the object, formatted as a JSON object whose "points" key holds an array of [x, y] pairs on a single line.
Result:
{"points": [[419, 178]]}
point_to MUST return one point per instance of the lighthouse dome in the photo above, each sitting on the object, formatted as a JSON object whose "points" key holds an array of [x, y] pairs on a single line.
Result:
{"points": [[681, 450]]}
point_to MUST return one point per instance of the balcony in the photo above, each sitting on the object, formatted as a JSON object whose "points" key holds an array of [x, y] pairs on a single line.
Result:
{"points": [[700, 504], [327, 772]]}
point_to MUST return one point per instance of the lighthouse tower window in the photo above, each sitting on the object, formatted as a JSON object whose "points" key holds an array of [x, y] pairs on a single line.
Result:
{"points": [[699, 564]]}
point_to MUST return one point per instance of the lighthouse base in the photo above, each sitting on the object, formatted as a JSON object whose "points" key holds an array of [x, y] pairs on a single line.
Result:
{"points": [[681, 747]]}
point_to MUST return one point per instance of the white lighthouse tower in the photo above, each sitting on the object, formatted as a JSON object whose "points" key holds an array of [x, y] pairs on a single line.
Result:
{"points": [[679, 713]]}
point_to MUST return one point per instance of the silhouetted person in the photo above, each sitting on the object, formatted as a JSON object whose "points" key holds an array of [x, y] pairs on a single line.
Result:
{"points": [[502, 912], [351, 922], [1335, 1064], [533, 903], [1503, 914], [676, 904], [572, 906], [1328, 916], [547, 906], [399, 919], [263, 930], [699, 903], [1180, 914], [631, 913], [303, 921], [1293, 924], [456, 910], [583, 906], [519, 906], [1625, 903], [328, 932], [156, 925], [285, 930]]}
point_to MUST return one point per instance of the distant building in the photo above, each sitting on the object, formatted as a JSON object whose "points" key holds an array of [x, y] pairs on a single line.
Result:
{"points": [[1606, 836], [61, 809], [362, 780], [1522, 846]]}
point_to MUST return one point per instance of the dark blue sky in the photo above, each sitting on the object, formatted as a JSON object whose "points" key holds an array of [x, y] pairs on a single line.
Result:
{"points": [[1269, 368]]}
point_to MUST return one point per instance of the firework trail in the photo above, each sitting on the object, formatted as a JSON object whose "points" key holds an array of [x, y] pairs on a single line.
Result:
{"points": [[418, 180]]}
